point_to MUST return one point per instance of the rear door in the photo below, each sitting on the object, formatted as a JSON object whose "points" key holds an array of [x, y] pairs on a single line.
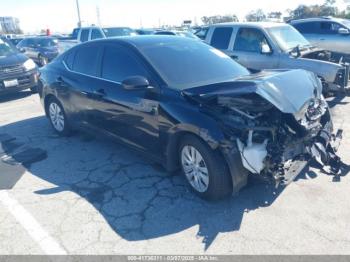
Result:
{"points": [[79, 82], [248, 47]]}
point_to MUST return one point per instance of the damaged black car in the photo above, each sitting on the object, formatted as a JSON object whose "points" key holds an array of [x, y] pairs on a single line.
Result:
{"points": [[191, 107]]}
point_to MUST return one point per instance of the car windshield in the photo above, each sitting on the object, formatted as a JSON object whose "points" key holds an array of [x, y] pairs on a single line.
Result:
{"points": [[287, 37], [118, 31], [6, 49], [193, 63]]}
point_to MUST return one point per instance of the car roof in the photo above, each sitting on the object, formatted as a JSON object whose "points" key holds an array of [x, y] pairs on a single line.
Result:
{"points": [[316, 19], [140, 41], [261, 25]]}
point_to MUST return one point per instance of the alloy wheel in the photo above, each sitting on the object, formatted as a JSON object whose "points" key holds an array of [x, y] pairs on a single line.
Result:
{"points": [[195, 168], [56, 116]]}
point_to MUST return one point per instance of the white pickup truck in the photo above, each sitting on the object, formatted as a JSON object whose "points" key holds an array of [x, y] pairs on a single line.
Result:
{"points": [[84, 34]]}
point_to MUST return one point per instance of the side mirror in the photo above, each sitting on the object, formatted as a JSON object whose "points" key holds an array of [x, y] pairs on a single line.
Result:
{"points": [[343, 31], [135, 83], [265, 49]]}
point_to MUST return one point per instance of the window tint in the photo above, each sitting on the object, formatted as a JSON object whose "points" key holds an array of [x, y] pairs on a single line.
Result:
{"points": [[69, 59], [250, 40], [308, 28], [84, 36], [118, 63], [85, 60], [96, 34], [221, 37]]}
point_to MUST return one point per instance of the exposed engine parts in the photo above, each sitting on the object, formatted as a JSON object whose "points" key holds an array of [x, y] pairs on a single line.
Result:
{"points": [[272, 143]]}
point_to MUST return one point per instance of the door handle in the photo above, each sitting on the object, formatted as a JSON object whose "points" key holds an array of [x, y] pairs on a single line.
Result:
{"points": [[234, 57]]}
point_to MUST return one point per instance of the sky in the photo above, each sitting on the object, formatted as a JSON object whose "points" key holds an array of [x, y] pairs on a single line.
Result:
{"points": [[61, 15]]}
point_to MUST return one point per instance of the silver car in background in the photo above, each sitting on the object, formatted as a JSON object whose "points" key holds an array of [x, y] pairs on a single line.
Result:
{"points": [[260, 46], [326, 32]]}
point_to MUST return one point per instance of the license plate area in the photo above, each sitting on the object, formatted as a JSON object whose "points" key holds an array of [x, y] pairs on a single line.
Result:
{"points": [[10, 83]]}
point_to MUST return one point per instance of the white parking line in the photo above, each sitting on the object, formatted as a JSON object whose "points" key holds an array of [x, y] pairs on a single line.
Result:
{"points": [[33, 228]]}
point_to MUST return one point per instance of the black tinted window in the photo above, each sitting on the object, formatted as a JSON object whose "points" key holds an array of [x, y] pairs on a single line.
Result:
{"points": [[118, 64], [221, 37], [96, 34], [250, 40], [308, 28], [85, 60], [84, 36]]}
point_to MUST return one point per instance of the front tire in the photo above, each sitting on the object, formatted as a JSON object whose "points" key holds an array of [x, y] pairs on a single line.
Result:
{"points": [[204, 169], [58, 117]]}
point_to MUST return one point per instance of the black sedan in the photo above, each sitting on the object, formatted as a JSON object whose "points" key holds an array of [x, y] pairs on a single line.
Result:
{"points": [[189, 106]]}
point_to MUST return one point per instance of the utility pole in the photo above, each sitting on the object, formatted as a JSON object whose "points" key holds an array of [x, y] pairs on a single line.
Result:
{"points": [[78, 10], [98, 16]]}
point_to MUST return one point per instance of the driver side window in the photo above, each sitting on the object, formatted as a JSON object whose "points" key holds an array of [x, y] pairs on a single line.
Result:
{"points": [[119, 63], [250, 40]]}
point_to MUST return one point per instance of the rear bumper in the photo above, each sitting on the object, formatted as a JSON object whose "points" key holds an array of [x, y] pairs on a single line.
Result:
{"points": [[26, 80]]}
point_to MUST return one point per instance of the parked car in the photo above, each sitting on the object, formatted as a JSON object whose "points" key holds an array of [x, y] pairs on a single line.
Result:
{"points": [[189, 105], [176, 33], [84, 34], [259, 46], [144, 31], [15, 41], [326, 32], [17, 72], [41, 49]]}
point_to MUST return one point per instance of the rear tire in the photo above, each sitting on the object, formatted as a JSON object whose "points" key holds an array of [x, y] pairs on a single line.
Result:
{"points": [[58, 118], [205, 169]]}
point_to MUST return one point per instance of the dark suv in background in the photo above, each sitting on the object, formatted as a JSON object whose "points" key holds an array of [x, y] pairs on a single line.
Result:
{"points": [[41, 49], [17, 72]]}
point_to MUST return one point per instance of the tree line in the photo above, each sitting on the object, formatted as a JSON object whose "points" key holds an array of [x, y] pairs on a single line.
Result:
{"points": [[328, 8]]}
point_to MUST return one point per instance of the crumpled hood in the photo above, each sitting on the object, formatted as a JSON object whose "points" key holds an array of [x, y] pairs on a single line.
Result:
{"points": [[288, 91]]}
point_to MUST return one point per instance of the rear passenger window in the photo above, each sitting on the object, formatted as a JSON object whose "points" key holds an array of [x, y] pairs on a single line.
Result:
{"points": [[221, 37], [85, 60], [84, 36], [118, 64], [96, 34]]}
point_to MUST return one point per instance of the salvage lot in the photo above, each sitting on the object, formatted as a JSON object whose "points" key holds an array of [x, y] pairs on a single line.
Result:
{"points": [[91, 196]]}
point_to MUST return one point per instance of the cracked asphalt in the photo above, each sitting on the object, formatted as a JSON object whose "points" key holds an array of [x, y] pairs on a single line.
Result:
{"points": [[94, 196]]}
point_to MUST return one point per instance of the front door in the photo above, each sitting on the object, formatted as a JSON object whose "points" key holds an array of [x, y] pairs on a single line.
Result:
{"points": [[132, 115], [251, 50]]}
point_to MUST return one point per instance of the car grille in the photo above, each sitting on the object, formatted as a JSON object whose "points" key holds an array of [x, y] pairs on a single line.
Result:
{"points": [[11, 70]]}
